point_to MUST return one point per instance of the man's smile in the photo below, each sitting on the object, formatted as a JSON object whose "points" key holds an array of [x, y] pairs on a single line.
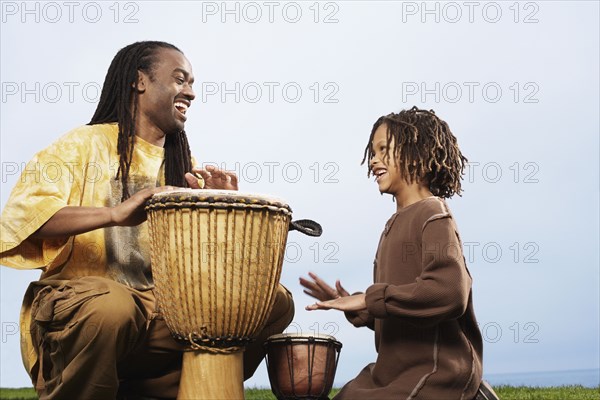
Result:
{"points": [[182, 106]]}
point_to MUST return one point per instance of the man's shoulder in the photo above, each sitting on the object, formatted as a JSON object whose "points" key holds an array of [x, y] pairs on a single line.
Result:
{"points": [[88, 137], [81, 140], [92, 133]]}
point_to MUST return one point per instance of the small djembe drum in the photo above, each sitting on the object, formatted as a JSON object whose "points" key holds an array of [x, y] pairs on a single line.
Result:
{"points": [[216, 263], [302, 366]]}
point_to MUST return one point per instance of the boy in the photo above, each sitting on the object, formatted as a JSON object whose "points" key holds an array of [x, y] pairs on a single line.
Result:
{"points": [[420, 306]]}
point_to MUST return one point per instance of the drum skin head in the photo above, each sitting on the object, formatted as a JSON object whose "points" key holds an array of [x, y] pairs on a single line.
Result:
{"points": [[221, 196]]}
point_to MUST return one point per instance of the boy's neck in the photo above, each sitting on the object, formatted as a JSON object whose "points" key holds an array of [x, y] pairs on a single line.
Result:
{"points": [[411, 194]]}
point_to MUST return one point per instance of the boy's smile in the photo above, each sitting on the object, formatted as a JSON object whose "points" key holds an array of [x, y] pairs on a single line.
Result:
{"points": [[383, 165], [379, 172]]}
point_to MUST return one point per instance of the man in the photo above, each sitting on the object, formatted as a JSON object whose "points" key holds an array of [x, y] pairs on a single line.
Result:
{"points": [[90, 328]]}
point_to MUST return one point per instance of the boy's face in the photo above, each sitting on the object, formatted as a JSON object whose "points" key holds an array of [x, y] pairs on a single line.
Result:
{"points": [[167, 93], [383, 165]]}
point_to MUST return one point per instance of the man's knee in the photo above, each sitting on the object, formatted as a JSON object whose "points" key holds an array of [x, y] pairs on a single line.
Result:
{"points": [[107, 308], [283, 308]]}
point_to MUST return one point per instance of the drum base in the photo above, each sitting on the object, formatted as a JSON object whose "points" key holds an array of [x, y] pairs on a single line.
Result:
{"points": [[212, 376]]}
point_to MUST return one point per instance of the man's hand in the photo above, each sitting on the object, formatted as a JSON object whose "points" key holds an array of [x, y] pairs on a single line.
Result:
{"points": [[131, 212], [355, 302], [213, 178]]}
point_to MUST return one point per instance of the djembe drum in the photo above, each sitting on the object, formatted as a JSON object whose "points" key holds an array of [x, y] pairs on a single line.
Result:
{"points": [[302, 366], [216, 262]]}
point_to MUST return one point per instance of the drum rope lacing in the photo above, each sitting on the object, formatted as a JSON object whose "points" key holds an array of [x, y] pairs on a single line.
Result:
{"points": [[311, 342], [231, 344]]}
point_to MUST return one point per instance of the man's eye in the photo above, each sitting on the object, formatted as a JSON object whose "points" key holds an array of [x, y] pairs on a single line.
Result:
{"points": [[180, 80]]}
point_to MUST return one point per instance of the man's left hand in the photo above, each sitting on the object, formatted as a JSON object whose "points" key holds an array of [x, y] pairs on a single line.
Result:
{"points": [[213, 177]]}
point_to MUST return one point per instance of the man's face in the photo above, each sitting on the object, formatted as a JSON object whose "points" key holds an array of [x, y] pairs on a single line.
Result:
{"points": [[165, 94]]}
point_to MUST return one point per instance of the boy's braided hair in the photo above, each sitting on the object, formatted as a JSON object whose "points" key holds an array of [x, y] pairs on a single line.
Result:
{"points": [[424, 148]]}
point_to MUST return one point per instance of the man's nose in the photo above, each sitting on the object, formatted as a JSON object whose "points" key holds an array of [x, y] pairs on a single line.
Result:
{"points": [[188, 91]]}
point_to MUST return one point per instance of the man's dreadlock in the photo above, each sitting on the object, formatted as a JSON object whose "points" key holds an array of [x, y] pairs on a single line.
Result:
{"points": [[425, 150], [118, 103]]}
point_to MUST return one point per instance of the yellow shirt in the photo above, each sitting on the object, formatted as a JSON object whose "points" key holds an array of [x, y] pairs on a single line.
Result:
{"points": [[79, 169]]}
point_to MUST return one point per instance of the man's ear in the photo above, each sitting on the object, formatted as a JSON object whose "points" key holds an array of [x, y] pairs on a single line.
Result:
{"points": [[142, 81]]}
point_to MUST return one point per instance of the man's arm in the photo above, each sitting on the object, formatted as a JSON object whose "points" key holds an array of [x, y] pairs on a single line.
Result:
{"points": [[70, 220]]}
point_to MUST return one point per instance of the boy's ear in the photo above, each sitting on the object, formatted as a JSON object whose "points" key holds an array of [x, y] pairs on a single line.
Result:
{"points": [[142, 81]]}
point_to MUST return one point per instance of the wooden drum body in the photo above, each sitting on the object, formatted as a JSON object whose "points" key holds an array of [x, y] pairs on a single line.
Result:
{"points": [[302, 366], [216, 264]]}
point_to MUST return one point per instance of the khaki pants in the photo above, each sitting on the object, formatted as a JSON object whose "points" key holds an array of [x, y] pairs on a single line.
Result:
{"points": [[99, 339]]}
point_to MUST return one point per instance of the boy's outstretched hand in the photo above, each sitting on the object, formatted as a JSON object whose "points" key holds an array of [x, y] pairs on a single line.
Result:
{"points": [[318, 289], [355, 302], [331, 298]]}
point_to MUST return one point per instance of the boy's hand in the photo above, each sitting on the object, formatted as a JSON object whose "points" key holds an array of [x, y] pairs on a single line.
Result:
{"points": [[356, 302], [318, 289]]}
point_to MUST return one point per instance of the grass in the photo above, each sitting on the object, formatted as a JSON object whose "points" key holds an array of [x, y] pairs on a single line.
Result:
{"points": [[505, 393], [554, 393]]}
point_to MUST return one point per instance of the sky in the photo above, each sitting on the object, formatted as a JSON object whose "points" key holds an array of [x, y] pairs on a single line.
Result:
{"points": [[287, 93]]}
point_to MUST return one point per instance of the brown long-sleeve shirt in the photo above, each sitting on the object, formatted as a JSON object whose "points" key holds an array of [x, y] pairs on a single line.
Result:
{"points": [[420, 306]]}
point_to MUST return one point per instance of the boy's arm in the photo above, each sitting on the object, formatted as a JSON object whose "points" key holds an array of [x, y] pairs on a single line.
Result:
{"points": [[360, 318], [442, 290]]}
